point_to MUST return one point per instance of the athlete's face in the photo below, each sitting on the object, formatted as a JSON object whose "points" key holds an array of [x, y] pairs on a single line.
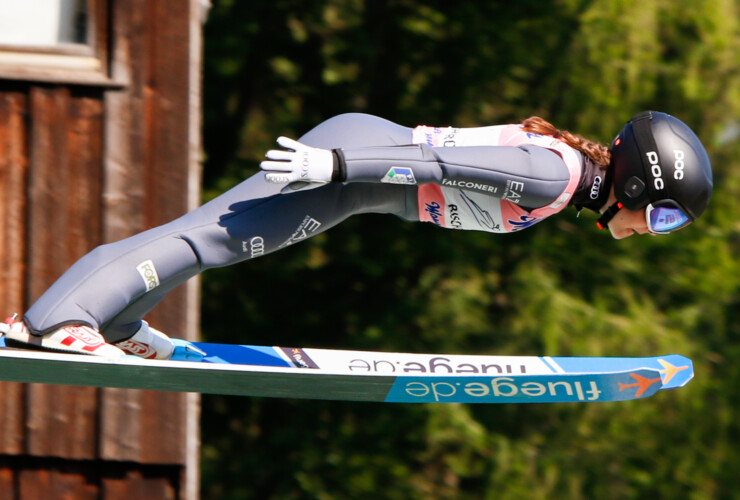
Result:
{"points": [[626, 222]]}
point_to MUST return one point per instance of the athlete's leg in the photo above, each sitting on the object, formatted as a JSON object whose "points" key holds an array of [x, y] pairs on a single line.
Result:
{"points": [[115, 285], [250, 230]]}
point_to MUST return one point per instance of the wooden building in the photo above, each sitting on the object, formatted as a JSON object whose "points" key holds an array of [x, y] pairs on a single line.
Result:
{"points": [[99, 139]]}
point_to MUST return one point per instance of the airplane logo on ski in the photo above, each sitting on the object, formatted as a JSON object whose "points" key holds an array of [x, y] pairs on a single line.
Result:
{"points": [[643, 383]]}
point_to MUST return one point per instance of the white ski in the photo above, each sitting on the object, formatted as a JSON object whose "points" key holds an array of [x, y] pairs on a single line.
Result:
{"points": [[362, 375]]}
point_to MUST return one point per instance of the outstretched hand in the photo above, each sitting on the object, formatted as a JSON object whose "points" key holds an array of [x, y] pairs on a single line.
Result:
{"points": [[298, 163]]}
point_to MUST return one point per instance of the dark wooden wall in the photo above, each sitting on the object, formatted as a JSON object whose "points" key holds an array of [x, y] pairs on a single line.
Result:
{"points": [[83, 164]]}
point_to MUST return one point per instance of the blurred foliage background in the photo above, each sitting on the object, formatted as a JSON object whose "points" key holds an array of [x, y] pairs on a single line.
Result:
{"points": [[562, 288]]}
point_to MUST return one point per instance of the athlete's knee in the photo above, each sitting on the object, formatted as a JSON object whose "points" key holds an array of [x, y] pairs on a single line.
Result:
{"points": [[344, 118], [358, 122], [351, 130], [99, 255]]}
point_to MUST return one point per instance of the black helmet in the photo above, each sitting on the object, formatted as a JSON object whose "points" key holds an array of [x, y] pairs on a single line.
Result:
{"points": [[657, 160], [658, 157]]}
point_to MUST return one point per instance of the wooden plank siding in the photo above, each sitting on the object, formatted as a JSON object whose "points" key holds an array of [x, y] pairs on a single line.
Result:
{"points": [[82, 165], [13, 181]]}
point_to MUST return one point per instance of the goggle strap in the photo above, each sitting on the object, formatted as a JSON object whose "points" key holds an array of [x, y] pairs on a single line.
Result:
{"points": [[607, 216], [641, 128]]}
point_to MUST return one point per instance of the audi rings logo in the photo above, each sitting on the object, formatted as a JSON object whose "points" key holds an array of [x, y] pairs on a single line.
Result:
{"points": [[596, 187], [255, 246]]}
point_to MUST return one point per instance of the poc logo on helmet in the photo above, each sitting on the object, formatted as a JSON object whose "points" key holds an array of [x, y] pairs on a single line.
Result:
{"points": [[678, 164], [655, 169]]}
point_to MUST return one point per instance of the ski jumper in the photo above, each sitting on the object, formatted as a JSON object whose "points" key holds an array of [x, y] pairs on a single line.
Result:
{"points": [[496, 179]]}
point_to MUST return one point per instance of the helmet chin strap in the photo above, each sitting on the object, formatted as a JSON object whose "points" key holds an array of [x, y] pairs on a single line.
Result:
{"points": [[607, 216]]}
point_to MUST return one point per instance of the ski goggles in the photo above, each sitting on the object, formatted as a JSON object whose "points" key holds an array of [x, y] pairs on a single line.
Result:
{"points": [[665, 216], [662, 217]]}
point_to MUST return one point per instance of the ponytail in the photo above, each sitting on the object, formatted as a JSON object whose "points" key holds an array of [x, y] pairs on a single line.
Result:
{"points": [[596, 152]]}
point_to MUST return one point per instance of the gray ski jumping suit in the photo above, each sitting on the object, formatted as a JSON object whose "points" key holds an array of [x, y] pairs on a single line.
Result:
{"points": [[496, 179]]}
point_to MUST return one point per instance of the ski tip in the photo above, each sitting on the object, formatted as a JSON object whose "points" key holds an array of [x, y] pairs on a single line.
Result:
{"points": [[676, 370]]}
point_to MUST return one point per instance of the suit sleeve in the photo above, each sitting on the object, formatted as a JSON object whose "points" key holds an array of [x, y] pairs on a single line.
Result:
{"points": [[530, 176]]}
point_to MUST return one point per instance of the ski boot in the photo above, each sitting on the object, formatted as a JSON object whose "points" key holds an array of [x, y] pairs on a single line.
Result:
{"points": [[75, 339]]}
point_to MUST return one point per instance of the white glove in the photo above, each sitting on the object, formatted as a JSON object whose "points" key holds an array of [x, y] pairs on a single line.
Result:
{"points": [[300, 163]]}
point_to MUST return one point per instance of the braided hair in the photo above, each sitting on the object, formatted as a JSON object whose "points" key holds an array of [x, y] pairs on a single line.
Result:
{"points": [[596, 152]]}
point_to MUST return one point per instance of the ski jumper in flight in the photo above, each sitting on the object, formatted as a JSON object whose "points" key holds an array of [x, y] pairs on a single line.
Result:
{"points": [[498, 179]]}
